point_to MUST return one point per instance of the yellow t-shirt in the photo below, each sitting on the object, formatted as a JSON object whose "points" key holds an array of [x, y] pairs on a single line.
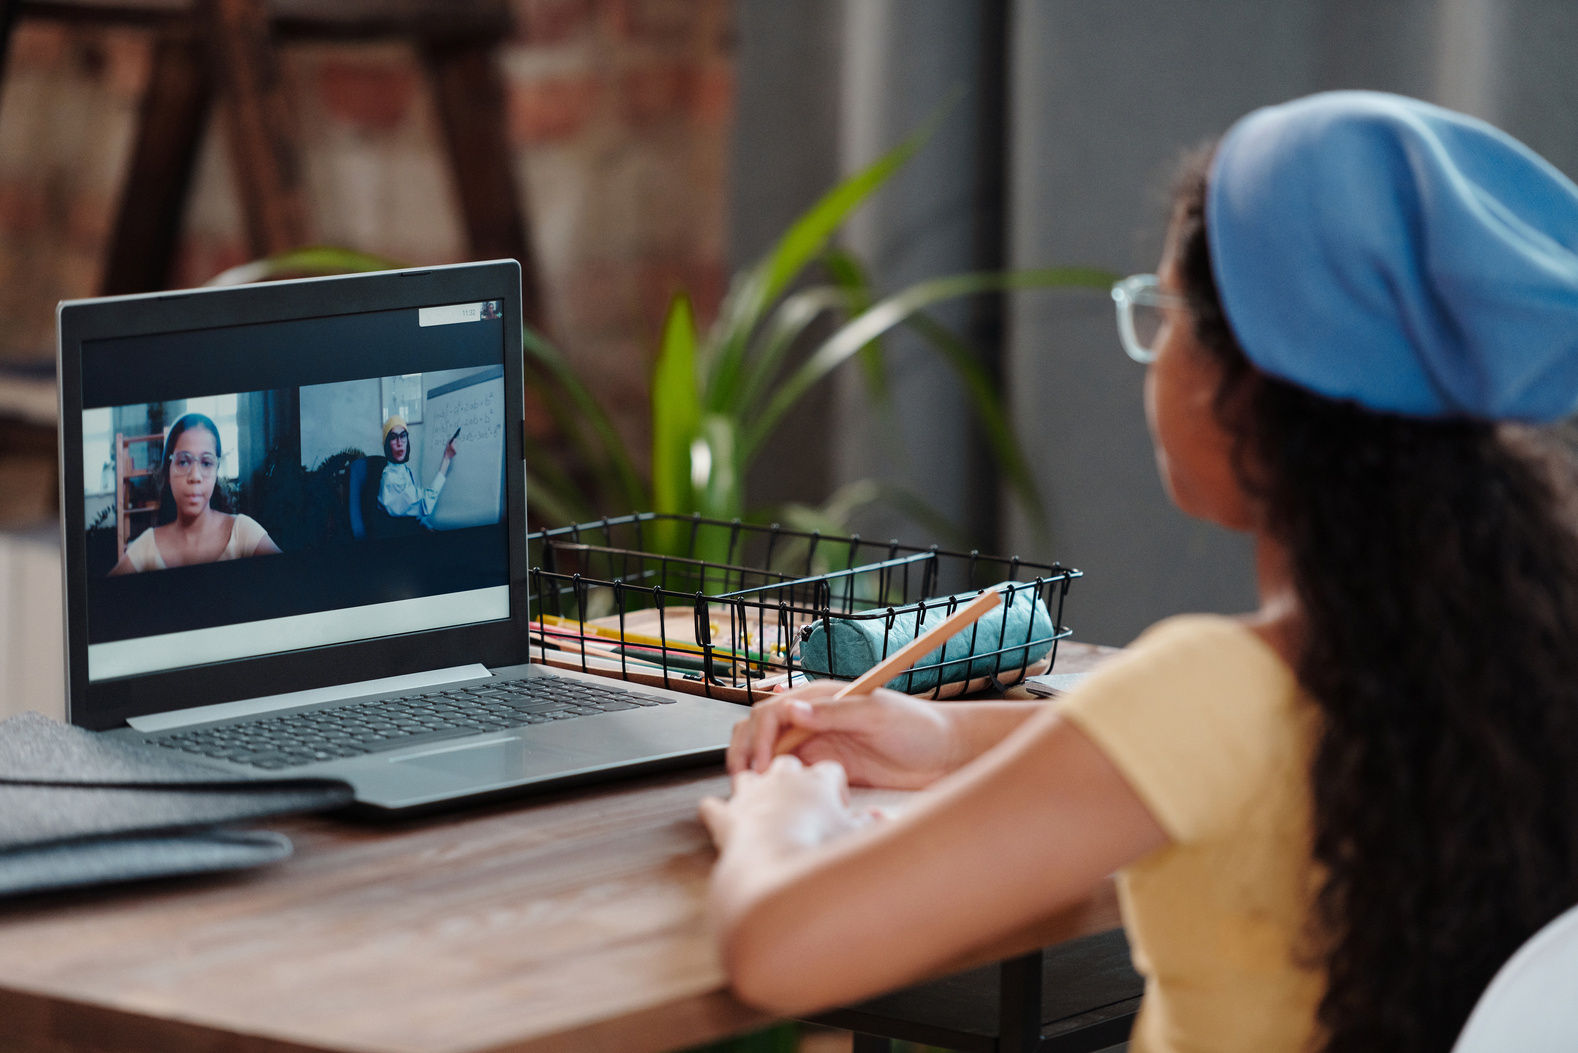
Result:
{"points": [[1209, 726]]}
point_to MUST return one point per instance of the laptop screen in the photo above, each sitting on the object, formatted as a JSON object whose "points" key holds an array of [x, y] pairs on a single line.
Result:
{"points": [[259, 489]]}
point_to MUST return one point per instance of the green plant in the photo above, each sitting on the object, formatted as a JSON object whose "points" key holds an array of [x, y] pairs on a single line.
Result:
{"points": [[779, 1038], [312, 261], [718, 396]]}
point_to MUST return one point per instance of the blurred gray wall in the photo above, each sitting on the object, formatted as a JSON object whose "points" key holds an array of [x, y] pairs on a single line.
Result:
{"points": [[826, 87], [904, 64], [1102, 99], [785, 155]]}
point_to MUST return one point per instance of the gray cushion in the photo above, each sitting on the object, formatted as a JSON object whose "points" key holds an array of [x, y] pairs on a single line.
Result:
{"points": [[859, 642], [78, 808], [35, 815]]}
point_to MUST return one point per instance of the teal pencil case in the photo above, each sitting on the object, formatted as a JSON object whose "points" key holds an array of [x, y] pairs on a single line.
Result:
{"points": [[1009, 638]]}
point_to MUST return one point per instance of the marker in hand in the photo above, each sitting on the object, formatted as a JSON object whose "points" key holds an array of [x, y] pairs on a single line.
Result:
{"points": [[899, 661]]}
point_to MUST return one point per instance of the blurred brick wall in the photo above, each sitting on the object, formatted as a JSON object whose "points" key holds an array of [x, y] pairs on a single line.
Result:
{"points": [[619, 113]]}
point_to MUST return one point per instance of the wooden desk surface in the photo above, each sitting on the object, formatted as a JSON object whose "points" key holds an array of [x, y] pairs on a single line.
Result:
{"points": [[571, 922]]}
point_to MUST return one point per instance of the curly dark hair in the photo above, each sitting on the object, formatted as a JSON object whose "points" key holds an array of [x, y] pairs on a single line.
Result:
{"points": [[1436, 567]]}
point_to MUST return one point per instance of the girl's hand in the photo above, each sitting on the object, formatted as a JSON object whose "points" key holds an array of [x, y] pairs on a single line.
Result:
{"points": [[881, 739], [787, 808]]}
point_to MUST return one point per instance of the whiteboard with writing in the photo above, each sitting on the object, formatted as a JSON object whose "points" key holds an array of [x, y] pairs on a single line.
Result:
{"points": [[473, 493]]}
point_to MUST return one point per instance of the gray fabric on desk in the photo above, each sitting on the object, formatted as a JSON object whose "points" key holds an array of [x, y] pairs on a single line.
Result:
{"points": [[861, 642], [78, 863], [73, 803], [34, 815], [35, 749]]}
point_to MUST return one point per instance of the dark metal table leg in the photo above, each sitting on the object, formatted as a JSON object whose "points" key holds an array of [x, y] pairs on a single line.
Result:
{"points": [[1019, 1004]]}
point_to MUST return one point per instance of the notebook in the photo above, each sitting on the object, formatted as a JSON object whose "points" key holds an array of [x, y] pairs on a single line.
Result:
{"points": [[294, 525]]}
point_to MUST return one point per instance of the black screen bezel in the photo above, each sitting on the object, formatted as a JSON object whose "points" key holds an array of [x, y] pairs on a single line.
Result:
{"points": [[108, 704]]}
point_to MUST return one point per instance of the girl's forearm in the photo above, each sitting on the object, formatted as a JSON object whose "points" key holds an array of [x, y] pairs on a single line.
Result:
{"points": [[1029, 828], [978, 726]]}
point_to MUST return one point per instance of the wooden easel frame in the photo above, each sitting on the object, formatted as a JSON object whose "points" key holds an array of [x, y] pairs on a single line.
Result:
{"points": [[225, 50]]}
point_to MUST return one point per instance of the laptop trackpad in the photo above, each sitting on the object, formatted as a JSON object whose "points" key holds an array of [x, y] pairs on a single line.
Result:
{"points": [[489, 762]]}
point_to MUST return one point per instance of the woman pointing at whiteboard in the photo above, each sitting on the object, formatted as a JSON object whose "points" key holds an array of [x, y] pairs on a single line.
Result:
{"points": [[399, 493]]}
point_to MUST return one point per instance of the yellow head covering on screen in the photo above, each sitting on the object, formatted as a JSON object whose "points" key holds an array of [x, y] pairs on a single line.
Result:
{"points": [[395, 421]]}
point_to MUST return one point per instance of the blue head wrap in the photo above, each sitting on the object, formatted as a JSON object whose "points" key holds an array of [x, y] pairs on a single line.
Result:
{"points": [[1417, 261]]}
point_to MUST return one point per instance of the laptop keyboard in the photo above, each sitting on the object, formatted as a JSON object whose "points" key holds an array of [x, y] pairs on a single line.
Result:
{"points": [[311, 736]]}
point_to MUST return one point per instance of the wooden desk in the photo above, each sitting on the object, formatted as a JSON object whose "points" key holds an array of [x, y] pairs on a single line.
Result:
{"points": [[563, 923]]}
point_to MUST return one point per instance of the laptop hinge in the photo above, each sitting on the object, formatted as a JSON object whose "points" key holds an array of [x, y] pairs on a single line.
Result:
{"points": [[246, 707]]}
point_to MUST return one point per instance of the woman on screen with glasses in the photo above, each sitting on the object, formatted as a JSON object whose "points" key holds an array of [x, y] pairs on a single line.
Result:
{"points": [[1334, 818], [399, 493], [199, 532]]}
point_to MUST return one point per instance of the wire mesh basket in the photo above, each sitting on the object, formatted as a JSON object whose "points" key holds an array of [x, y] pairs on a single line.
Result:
{"points": [[733, 610]]}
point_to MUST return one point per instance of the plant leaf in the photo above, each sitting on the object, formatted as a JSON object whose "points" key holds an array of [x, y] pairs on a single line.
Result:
{"points": [[986, 400], [834, 516], [754, 291], [723, 495], [859, 331], [552, 496], [780, 1038], [850, 274], [676, 412], [620, 474], [791, 319], [314, 261]]}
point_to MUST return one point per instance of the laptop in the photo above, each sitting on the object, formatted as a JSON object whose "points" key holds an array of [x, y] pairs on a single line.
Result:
{"points": [[294, 527]]}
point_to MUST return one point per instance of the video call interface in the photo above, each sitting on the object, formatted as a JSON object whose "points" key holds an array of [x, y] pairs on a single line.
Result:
{"points": [[258, 489]]}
